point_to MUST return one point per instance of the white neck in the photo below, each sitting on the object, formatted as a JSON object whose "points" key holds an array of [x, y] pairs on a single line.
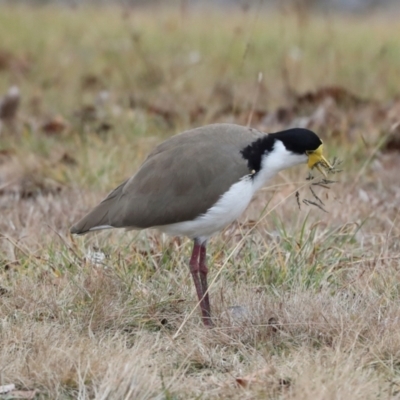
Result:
{"points": [[276, 160]]}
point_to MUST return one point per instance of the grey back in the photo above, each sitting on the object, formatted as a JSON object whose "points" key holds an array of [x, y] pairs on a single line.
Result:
{"points": [[180, 179]]}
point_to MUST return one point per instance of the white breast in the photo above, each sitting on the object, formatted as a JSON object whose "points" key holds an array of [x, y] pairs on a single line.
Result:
{"points": [[226, 210], [235, 201]]}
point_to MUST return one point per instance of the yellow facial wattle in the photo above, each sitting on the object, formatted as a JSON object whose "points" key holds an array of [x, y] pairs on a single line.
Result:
{"points": [[316, 158]]}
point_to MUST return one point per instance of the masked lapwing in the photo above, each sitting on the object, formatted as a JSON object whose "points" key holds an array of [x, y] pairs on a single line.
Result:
{"points": [[196, 183]]}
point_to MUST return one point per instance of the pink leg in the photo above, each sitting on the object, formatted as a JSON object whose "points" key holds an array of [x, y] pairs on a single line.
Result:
{"points": [[194, 269], [203, 278]]}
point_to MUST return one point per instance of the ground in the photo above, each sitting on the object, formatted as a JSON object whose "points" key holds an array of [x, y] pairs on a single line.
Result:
{"points": [[305, 301]]}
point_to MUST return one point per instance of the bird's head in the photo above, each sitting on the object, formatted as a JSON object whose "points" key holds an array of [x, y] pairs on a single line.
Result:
{"points": [[305, 146]]}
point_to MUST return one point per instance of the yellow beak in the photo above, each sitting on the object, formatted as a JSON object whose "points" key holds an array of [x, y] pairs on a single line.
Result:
{"points": [[315, 158]]}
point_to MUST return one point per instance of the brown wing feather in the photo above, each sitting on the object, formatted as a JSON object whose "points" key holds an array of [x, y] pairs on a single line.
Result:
{"points": [[174, 184]]}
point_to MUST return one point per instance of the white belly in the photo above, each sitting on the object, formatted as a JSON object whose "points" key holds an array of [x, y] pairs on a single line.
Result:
{"points": [[226, 210]]}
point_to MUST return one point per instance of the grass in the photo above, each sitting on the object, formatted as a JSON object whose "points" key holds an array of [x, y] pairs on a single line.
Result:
{"points": [[305, 302]]}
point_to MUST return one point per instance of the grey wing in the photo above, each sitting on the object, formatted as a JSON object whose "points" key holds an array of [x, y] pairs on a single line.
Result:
{"points": [[180, 180], [174, 189]]}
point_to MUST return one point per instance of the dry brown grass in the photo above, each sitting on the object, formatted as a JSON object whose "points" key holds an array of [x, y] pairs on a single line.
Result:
{"points": [[305, 302]]}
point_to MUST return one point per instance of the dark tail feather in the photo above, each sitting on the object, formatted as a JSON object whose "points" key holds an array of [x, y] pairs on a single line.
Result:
{"points": [[99, 217], [96, 218]]}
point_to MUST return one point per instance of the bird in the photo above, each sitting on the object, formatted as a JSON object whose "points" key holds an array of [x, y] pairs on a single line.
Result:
{"points": [[196, 183]]}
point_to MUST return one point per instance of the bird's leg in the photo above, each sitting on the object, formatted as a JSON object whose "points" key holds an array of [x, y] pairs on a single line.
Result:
{"points": [[194, 269], [203, 278]]}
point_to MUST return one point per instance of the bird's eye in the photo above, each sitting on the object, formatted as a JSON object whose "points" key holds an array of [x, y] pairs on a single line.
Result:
{"points": [[308, 152]]}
